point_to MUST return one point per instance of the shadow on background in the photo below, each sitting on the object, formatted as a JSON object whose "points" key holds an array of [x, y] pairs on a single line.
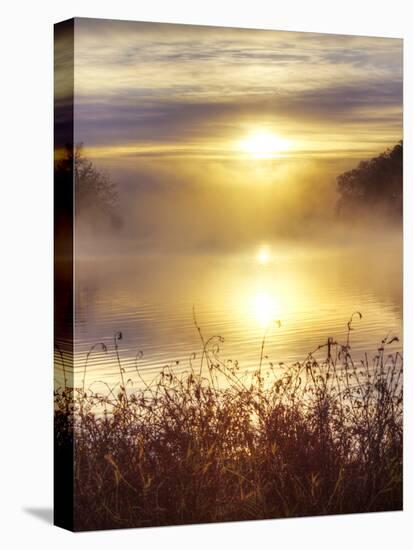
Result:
{"points": [[45, 514]]}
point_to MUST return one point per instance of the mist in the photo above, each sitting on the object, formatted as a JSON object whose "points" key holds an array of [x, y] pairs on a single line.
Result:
{"points": [[210, 206]]}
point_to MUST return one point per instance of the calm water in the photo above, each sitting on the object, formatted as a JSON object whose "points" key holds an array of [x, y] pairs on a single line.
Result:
{"points": [[312, 292]]}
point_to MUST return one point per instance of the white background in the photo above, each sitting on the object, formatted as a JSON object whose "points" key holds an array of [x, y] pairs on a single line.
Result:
{"points": [[26, 271]]}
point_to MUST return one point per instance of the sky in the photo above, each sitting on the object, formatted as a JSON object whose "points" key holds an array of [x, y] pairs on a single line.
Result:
{"points": [[224, 122]]}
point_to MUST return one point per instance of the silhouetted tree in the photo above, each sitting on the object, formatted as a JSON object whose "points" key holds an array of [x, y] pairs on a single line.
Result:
{"points": [[95, 194], [376, 184]]}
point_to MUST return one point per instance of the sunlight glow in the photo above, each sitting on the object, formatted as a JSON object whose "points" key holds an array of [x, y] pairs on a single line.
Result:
{"points": [[264, 307], [263, 144], [263, 255]]}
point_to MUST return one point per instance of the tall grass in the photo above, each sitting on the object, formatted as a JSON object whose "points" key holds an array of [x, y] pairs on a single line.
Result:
{"points": [[211, 444]]}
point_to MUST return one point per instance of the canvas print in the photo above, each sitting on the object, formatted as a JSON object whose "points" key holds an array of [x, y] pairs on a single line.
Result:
{"points": [[228, 274]]}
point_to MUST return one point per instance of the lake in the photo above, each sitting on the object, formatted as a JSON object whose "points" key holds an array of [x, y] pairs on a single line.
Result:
{"points": [[312, 291]]}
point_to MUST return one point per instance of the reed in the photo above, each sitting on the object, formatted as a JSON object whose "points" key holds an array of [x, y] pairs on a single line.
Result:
{"points": [[320, 436]]}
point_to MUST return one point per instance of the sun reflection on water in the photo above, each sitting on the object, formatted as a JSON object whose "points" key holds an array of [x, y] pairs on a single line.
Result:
{"points": [[264, 307], [263, 255]]}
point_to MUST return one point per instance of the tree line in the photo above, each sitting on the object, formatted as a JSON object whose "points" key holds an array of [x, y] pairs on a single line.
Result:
{"points": [[374, 186]]}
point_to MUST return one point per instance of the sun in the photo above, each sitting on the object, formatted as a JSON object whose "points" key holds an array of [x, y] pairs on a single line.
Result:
{"points": [[263, 144]]}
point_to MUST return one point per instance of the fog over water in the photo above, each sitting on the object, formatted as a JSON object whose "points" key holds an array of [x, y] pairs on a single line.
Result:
{"points": [[244, 249], [213, 188]]}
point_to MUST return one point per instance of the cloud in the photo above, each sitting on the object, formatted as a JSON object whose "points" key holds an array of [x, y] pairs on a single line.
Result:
{"points": [[129, 119], [143, 83], [205, 61]]}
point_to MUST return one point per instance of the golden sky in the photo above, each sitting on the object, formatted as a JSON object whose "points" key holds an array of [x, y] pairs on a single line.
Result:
{"points": [[218, 137], [158, 89]]}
